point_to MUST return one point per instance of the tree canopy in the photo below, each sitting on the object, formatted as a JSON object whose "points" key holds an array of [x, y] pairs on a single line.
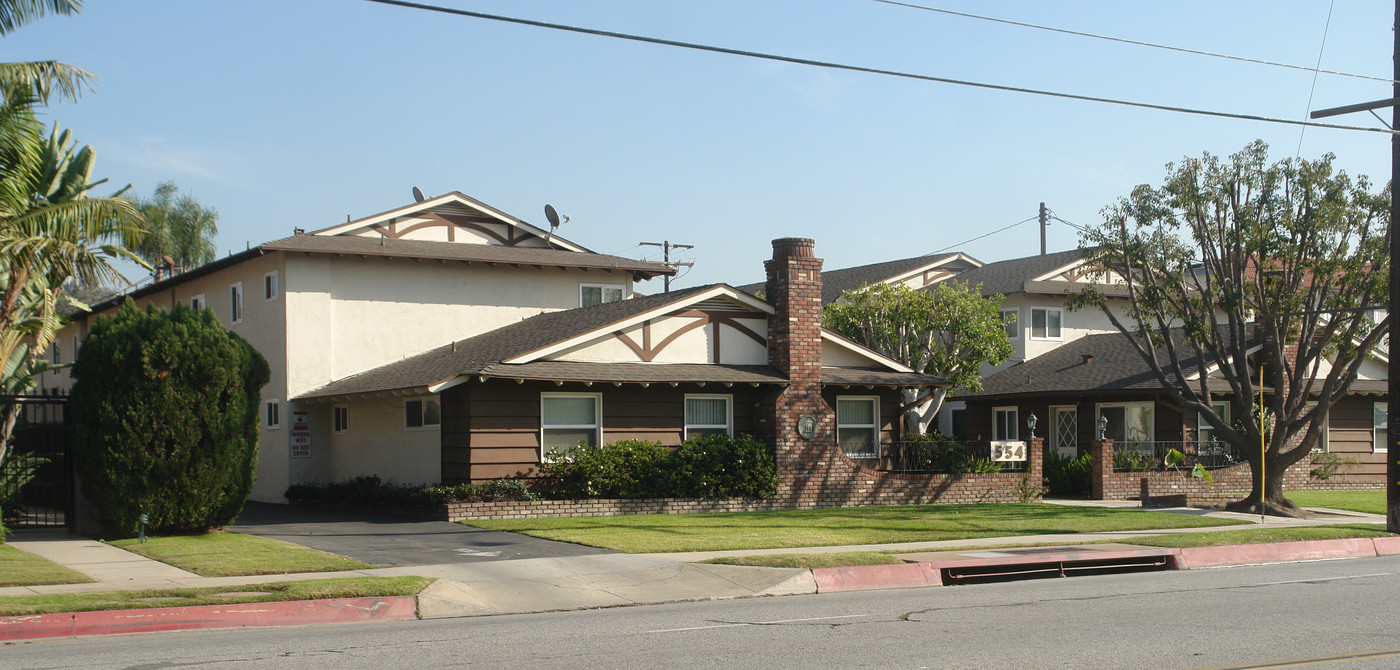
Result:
{"points": [[948, 330], [1247, 264], [164, 410], [177, 226]]}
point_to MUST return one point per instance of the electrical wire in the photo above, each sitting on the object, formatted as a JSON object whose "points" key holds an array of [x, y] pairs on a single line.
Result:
{"points": [[869, 70], [1325, 28], [998, 230], [1121, 40]]}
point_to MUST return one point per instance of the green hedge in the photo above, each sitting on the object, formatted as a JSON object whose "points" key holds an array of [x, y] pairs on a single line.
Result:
{"points": [[713, 466], [371, 490], [1066, 476]]}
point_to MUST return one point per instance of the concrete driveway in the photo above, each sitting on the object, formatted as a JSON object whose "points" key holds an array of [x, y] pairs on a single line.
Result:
{"points": [[389, 541]]}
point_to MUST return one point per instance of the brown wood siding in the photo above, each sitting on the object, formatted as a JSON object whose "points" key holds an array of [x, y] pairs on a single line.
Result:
{"points": [[494, 429], [1350, 434]]}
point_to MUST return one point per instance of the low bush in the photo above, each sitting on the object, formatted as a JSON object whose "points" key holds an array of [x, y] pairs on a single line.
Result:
{"points": [[1069, 477], [371, 490], [712, 466]]}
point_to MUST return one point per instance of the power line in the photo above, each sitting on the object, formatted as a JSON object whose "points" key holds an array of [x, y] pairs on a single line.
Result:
{"points": [[998, 230], [1325, 28], [1121, 40], [869, 70]]}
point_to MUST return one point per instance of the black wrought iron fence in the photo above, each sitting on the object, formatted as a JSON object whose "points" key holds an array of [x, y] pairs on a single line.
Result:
{"points": [[36, 476], [951, 457], [1157, 455]]}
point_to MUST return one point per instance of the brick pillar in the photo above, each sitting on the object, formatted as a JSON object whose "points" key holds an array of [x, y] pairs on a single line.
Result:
{"points": [[1102, 467], [794, 288], [1035, 460]]}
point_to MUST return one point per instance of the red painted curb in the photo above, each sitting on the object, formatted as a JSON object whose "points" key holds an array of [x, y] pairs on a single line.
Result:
{"points": [[1387, 546], [868, 577], [1277, 552], [160, 619]]}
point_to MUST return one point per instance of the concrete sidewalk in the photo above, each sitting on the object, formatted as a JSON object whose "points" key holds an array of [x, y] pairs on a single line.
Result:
{"points": [[590, 581]]}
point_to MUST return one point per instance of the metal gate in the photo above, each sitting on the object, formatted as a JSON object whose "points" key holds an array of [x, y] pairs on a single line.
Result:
{"points": [[36, 479]]}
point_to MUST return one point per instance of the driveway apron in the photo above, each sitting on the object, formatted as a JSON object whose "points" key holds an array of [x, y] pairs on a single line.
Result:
{"points": [[390, 541]]}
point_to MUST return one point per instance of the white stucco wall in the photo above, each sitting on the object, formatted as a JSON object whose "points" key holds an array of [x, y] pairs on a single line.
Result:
{"points": [[376, 443]]}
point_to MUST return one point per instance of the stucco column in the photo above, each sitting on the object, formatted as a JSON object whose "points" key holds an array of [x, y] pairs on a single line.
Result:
{"points": [[1102, 467]]}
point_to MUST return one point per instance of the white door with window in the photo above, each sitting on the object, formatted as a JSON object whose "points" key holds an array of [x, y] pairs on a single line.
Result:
{"points": [[1064, 430]]}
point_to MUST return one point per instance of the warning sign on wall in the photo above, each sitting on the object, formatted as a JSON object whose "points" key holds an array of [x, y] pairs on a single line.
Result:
{"points": [[301, 435]]}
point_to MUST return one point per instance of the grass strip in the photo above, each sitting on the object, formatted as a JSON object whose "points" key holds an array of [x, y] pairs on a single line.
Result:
{"points": [[656, 533], [238, 555], [21, 568], [311, 589], [1262, 535], [1369, 502]]}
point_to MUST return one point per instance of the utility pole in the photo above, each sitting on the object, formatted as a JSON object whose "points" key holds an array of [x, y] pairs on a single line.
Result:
{"points": [[1392, 463], [1045, 221], [666, 248]]}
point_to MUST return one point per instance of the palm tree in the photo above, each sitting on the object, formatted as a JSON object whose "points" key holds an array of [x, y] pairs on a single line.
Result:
{"points": [[44, 78], [178, 227], [50, 231]]}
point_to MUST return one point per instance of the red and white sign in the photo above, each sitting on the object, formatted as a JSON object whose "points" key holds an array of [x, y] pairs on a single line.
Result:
{"points": [[301, 435]]}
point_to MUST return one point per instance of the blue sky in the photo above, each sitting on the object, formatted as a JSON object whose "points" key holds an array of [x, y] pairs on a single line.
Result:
{"points": [[284, 114]]}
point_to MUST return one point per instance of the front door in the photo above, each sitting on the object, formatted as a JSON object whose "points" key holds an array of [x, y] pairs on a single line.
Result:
{"points": [[1064, 430]]}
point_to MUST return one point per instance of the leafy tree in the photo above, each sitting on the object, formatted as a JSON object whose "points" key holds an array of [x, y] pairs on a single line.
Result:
{"points": [[949, 330], [164, 411], [41, 79], [177, 226], [51, 232], [1232, 254]]}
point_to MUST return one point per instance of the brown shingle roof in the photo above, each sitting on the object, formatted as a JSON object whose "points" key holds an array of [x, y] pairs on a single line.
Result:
{"points": [[453, 251], [836, 282]]}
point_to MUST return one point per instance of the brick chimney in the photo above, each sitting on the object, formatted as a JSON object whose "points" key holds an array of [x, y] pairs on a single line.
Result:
{"points": [[794, 289]]}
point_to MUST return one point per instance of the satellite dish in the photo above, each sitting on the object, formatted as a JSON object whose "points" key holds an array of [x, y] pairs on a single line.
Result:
{"points": [[552, 215], [418, 194]]}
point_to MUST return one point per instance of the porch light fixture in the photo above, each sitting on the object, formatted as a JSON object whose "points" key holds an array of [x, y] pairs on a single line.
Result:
{"points": [[1030, 423], [1103, 426]]}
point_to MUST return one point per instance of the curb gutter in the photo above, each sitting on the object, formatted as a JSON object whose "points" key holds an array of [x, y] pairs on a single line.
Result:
{"points": [[163, 619]]}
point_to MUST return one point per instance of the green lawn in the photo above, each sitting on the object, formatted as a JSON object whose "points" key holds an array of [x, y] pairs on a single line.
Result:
{"points": [[21, 568], [1261, 535], [1370, 502], [234, 554], [827, 527], [312, 589], [831, 560]]}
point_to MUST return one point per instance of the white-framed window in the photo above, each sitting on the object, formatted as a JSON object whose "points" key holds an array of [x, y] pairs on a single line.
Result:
{"points": [[421, 414], [1006, 424], [1380, 428], [1204, 432], [597, 294], [197, 302], [1324, 444], [341, 418], [858, 425], [709, 415], [235, 303], [1046, 323], [270, 286], [568, 420], [272, 414], [1011, 322], [1129, 423]]}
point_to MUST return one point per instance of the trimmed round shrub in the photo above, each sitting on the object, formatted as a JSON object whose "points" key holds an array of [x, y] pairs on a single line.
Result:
{"points": [[164, 411]]}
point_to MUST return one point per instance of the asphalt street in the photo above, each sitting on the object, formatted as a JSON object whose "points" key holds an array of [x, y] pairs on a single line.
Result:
{"points": [[394, 541], [1341, 614]]}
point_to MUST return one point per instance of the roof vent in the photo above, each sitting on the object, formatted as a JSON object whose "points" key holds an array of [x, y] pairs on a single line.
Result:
{"points": [[1088, 358]]}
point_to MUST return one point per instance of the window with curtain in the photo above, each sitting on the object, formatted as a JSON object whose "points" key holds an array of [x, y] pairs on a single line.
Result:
{"points": [[858, 426], [708, 415], [568, 420]]}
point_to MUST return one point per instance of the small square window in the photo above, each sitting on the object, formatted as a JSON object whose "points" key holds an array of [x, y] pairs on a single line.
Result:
{"points": [[1005, 423], [708, 415], [1045, 323], [270, 286], [342, 418], [197, 302], [272, 418], [421, 414]]}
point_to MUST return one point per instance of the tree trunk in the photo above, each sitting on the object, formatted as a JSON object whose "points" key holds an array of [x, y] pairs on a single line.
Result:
{"points": [[1275, 503]]}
